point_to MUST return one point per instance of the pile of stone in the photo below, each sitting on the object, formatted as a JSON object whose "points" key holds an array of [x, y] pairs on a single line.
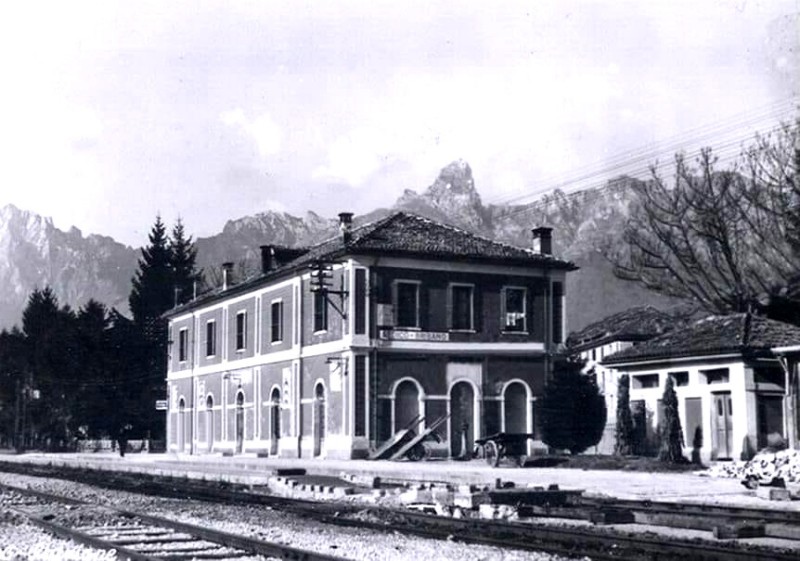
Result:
{"points": [[765, 466]]}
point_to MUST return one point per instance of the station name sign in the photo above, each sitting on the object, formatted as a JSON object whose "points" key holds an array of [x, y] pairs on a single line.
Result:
{"points": [[403, 335]]}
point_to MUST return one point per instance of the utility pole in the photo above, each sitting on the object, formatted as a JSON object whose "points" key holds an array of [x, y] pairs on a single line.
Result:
{"points": [[17, 414]]}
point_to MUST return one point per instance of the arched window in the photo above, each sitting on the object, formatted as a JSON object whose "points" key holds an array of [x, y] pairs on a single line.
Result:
{"points": [[210, 423], [275, 421]]}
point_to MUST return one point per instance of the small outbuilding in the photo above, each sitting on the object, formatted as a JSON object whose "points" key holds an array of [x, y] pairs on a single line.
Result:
{"points": [[734, 383]]}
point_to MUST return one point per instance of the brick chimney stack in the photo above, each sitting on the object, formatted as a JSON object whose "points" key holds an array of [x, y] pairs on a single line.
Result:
{"points": [[227, 275], [346, 225], [267, 258], [543, 240]]}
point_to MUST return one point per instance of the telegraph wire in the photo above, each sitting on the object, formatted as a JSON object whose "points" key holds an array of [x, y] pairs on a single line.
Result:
{"points": [[778, 111], [725, 154]]}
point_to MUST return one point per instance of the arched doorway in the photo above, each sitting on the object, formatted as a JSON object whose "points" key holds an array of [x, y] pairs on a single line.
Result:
{"points": [[319, 419], [210, 423], [239, 422], [406, 404], [181, 428], [275, 421], [462, 419], [515, 414]]}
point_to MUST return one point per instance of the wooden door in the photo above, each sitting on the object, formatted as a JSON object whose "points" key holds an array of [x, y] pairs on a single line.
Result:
{"points": [[239, 422], [319, 420], [722, 425], [462, 419]]}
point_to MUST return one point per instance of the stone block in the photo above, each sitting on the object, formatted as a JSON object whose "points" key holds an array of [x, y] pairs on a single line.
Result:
{"points": [[773, 494], [497, 512], [471, 501], [734, 531], [443, 496], [416, 496]]}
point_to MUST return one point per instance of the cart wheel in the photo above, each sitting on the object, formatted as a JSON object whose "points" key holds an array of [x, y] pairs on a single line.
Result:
{"points": [[416, 453], [491, 453]]}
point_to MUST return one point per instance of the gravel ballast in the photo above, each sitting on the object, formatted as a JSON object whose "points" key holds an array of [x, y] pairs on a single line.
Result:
{"points": [[246, 520]]}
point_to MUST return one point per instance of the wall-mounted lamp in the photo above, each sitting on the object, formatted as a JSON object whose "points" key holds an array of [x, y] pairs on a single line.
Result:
{"points": [[233, 378], [340, 362]]}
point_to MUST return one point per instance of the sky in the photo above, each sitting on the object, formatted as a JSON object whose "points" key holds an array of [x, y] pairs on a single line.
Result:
{"points": [[114, 112]]}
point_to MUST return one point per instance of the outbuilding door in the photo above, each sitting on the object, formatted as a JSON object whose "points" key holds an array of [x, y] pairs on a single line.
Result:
{"points": [[722, 425]]}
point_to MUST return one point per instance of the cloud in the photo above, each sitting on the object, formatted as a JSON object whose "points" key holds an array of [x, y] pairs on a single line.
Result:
{"points": [[263, 130]]}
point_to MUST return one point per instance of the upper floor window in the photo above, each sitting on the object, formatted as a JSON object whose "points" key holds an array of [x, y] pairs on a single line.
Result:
{"points": [[320, 312], [406, 304], [276, 322], [211, 338], [461, 297], [183, 344], [241, 330], [514, 309], [558, 312]]}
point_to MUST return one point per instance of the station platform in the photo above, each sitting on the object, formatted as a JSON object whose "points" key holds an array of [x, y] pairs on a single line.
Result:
{"points": [[690, 487]]}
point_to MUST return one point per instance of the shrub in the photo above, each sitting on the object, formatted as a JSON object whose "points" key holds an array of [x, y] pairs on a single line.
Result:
{"points": [[573, 410]]}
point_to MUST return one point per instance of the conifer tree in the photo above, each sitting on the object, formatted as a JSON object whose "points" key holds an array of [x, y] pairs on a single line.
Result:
{"points": [[152, 293], [573, 410], [671, 433], [183, 258], [624, 445]]}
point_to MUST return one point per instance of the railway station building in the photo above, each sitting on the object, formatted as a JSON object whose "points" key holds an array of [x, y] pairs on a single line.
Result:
{"points": [[735, 376], [332, 349]]}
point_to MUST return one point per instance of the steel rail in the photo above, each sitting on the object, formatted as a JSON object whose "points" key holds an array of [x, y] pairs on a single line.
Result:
{"points": [[244, 544], [597, 543]]}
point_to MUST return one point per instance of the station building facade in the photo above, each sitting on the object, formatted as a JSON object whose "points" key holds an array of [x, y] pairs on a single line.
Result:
{"points": [[332, 349]]}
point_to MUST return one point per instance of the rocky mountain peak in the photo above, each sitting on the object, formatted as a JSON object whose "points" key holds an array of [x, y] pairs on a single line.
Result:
{"points": [[452, 198]]}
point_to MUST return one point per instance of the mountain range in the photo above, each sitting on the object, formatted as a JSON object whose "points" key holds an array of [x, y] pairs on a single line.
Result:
{"points": [[34, 253]]}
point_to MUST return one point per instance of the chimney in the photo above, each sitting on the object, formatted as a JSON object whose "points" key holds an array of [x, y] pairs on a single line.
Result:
{"points": [[268, 261], [345, 225], [543, 240], [227, 275]]}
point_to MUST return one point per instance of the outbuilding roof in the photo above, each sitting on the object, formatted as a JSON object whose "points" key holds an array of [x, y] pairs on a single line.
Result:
{"points": [[401, 234], [737, 333], [634, 324]]}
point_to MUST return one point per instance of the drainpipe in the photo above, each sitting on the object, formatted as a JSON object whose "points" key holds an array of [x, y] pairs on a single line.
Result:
{"points": [[789, 402]]}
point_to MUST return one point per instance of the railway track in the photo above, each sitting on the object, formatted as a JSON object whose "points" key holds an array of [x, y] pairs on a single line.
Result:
{"points": [[139, 536], [610, 541]]}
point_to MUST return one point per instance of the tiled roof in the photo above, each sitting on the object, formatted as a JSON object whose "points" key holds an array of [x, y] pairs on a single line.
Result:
{"points": [[401, 234], [738, 333], [634, 324]]}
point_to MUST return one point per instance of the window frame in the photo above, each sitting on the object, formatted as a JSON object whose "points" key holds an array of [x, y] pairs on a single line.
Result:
{"points": [[183, 344], [505, 312], [273, 340], [396, 301], [211, 342], [319, 310], [451, 301], [241, 334]]}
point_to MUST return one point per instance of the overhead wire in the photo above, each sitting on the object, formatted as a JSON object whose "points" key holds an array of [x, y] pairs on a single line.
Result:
{"points": [[631, 161]]}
